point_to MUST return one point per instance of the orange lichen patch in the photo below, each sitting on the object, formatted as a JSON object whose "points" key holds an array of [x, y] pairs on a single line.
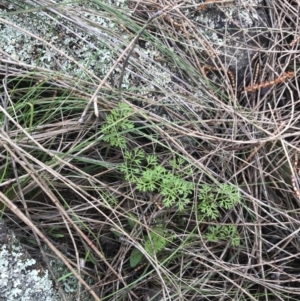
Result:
{"points": [[205, 69], [280, 79]]}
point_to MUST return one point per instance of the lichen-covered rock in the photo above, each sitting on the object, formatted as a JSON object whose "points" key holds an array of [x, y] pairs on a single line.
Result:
{"points": [[20, 277], [84, 44]]}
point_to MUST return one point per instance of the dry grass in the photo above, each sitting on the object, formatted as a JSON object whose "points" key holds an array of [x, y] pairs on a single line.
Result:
{"points": [[64, 187]]}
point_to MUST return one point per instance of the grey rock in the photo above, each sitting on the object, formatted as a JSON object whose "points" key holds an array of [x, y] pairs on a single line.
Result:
{"points": [[21, 279]]}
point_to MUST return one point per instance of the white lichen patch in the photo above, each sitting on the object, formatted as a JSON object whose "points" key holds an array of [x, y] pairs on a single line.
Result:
{"points": [[241, 10], [19, 278], [244, 11], [85, 40]]}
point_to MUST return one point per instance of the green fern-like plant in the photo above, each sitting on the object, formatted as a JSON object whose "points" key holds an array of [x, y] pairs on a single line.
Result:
{"points": [[117, 124], [156, 240], [148, 175], [228, 196], [223, 232], [207, 206], [132, 164], [180, 168], [144, 170], [211, 201], [153, 243], [175, 191], [225, 196]]}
